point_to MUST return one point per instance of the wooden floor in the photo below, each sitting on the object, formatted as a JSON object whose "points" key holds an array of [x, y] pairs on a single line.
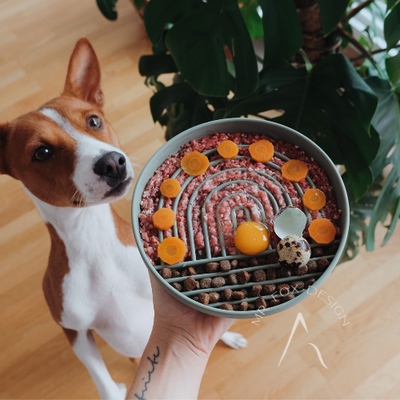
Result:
{"points": [[36, 362]]}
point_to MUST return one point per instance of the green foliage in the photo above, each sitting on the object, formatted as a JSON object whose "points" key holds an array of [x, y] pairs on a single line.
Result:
{"points": [[281, 23], [248, 9], [332, 13], [108, 9], [391, 26]]}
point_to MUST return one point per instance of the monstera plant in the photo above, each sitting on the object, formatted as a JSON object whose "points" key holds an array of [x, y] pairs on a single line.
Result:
{"points": [[300, 77]]}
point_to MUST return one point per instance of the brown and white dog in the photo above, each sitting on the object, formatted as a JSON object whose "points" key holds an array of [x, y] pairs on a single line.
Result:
{"points": [[69, 160]]}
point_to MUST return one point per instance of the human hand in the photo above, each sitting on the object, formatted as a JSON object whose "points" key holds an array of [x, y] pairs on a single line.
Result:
{"points": [[175, 321]]}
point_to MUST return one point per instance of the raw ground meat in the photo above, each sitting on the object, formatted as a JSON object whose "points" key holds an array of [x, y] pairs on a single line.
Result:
{"points": [[151, 195]]}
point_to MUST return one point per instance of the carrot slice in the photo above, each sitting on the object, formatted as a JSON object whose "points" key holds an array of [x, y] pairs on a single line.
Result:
{"points": [[294, 170], [314, 199], [172, 250], [228, 149], [262, 151], [164, 218], [322, 231], [170, 188], [195, 163]]}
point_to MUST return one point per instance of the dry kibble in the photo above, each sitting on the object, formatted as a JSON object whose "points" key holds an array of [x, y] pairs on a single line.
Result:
{"points": [[297, 285], [262, 261], [268, 289], [255, 290], [204, 298], [175, 273], [190, 283], [242, 264], [323, 264], [243, 306], [225, 266], [166, 272], [232, 279], [285, 272], [177, 286], [259, 275], [196, 298], [227, 294], [283, 289], [253, 262], [317, 252], [197, 285], [272, 258], [312, 267], [260, 303], [309, 283], [214, 297], [192, 271], [332, 250], [290, 296], [243, 277], [246, 293], [238, 295], [234, 264], [251, 307], [274, 302], [212, 267], [201, 269], [235, 307], [271, 274], [205, 283], [218, 282], [226, 307], [301, 270], [184, 272]]}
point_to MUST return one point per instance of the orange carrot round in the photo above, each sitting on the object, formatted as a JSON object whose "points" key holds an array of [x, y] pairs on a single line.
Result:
{"points": [[164, 218], [172, 250], [314, 199], [294, 170], [170, 188], [262, 151], [195, 163], [322, 231], [228, 149]]}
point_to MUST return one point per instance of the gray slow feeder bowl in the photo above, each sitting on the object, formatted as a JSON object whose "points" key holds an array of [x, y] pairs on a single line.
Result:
{"points": [[242, 125]]}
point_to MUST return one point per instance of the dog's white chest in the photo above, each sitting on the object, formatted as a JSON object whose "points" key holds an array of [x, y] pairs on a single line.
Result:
{"points": [[107, 288]]}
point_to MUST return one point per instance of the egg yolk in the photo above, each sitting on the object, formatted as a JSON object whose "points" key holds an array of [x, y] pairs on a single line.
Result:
{"points": [[251, 238]]}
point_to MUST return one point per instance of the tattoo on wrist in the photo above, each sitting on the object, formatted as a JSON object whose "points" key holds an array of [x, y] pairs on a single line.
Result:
{"points": [[153, 363]]}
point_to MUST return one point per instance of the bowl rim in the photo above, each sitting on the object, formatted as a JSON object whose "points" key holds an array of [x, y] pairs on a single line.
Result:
{"points": [[212, 127]]}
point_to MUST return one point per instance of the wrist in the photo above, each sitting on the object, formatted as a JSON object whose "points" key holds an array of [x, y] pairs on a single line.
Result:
{"points": [[181, 343]]}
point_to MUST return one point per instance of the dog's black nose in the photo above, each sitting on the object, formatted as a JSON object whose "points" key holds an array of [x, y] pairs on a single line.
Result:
{"points": [[112, 166]]}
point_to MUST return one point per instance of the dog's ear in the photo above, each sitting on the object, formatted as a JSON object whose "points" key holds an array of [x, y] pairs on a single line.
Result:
{"points": [[83, 78], [4, 130]]}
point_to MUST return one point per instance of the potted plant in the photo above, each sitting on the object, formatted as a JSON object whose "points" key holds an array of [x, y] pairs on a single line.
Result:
{"points": [[302, 73]]}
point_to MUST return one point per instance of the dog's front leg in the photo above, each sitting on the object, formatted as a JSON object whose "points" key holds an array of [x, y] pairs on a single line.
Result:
{"points": [[86, 349]]}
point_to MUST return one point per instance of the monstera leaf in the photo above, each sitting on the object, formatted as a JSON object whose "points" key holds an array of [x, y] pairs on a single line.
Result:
{"points": [[196, 37], [108, 9], [387, 122], [329, 103]]}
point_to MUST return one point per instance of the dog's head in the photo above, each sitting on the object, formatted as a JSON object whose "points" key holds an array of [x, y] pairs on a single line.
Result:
{"points": [[66, 153]]}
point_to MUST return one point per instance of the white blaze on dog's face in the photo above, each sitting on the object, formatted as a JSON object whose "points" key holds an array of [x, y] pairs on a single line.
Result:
{"points": [[66, 153]]}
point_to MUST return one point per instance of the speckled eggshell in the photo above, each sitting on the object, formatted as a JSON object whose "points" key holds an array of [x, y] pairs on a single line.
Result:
{"points": [[293, 251]]}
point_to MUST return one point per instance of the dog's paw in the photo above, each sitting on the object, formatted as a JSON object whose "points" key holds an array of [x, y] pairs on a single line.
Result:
{"points": [[234, 340]]}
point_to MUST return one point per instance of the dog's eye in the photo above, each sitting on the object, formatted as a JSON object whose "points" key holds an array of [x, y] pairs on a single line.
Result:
{"points": [[94, 122], [42, 153]]}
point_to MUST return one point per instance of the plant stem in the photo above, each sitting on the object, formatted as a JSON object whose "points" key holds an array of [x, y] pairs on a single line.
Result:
{"points": [[355, 11], [358, 46], [377, 51]]}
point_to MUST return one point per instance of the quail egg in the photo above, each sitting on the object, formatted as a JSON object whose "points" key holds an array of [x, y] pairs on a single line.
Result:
{"points": [[293, 251]]}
